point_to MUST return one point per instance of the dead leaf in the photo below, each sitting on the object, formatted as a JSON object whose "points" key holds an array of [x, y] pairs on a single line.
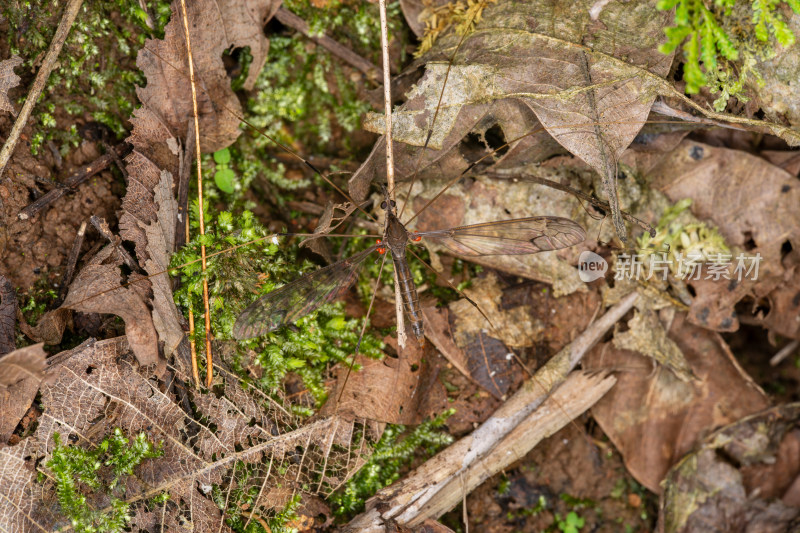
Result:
{"points": [[198, 452], [754, 205], [98, 289], [527, 65], [50, 327], [21, 371], [393, 390], [709, 489], [8, 80], [647, 336], [653, 418], [8, 315], [215, 27], [160, 244]]}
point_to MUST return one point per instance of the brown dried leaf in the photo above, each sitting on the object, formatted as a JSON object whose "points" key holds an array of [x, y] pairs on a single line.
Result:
{"points": [[98, 386], [527, 65], [8, 315], [647, 336], [754, 205], [98, 289], [48, 329], [8, 80], [653, 417], [215, 26], [387, 390], [21, 371], [712, 489], [160, 244]]}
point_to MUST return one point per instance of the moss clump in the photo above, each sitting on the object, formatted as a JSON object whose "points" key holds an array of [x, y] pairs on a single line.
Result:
{"points": [[238, 276], [728, 38], [96, 72], [101, 469]]}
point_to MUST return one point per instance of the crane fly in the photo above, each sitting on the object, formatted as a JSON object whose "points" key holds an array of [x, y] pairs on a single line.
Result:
{"points": [[517, 236]]}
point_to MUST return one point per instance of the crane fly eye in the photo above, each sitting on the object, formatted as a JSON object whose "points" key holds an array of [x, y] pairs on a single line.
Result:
{"points": [[383, 204], [392, 203]]}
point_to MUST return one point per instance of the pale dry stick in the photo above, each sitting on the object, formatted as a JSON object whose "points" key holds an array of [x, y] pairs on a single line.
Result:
{"points": [[387, 108], [784, 352], [48, 64], [404, 501], [198, 155]]}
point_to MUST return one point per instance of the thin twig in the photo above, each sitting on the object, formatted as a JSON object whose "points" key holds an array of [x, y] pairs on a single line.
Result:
{"points": [[784, 352], [101, 226], [192, 343], [387, 107], [209, 359], [72, 260], [41, 79], [77, 177], [287, 18]]}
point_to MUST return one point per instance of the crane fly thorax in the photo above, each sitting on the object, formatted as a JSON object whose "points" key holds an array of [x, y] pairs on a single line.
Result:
{"points": [[396, 235]]}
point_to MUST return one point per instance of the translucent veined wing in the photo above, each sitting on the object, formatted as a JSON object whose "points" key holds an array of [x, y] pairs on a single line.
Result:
{"points": [[510, 237], [298, 298]]}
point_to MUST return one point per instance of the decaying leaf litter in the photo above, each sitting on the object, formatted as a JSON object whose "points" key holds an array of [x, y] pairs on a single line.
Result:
{"points": [[657, 172]]}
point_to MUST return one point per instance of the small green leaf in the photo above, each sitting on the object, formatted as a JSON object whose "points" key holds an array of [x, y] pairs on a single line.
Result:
{"points": [[224, 178], [222, 157]]}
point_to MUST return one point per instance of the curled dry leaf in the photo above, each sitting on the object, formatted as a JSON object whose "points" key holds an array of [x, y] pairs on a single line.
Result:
{"points": [[215, 27], [8, 80], [589, 84], [654, 418], [98, 289], [8, 315], [21, 371], [743, 477], [50, 327], [388, 390], [160, 243], [97, 386]]}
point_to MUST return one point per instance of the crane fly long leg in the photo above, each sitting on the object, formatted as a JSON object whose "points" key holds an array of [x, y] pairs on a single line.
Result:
{"points": [[509, 237], [363, 330], [298, 298]]}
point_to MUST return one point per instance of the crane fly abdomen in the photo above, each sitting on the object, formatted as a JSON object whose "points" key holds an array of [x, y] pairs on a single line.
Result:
{"points": [[408, 292]]}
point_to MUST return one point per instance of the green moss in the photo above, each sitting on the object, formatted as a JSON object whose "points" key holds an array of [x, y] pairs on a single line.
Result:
{"points": [[78, 471], [239, 276], [96, 71], [392, 453], [302, 90], [727, 38]]}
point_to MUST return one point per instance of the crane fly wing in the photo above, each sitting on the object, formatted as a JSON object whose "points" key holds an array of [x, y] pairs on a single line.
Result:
{"points": [[298, 298], [510, 237]]}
